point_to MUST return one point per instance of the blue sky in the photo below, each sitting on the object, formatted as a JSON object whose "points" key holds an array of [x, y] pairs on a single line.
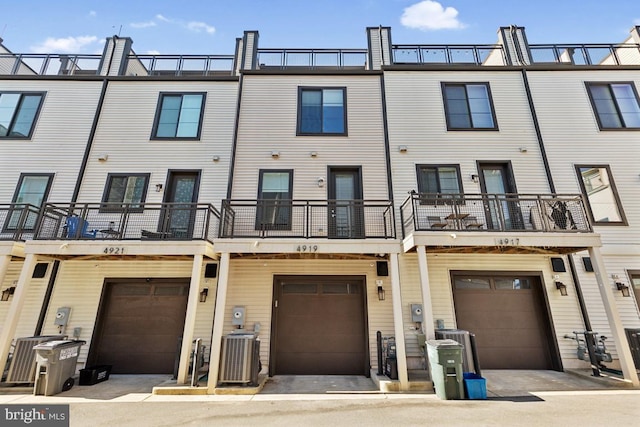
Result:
{"points": [[211, 26]]}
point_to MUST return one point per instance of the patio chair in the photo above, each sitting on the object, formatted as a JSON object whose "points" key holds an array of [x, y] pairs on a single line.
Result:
{"points": [[78, 228], [471, 223], [437, 223]]}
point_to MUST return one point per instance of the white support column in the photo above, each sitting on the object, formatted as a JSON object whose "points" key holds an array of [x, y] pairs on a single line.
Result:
{"points": [[19, 298], [617, 330], [218, 322], [190, 319], [428, 325], [4, 266], [398, 323]]}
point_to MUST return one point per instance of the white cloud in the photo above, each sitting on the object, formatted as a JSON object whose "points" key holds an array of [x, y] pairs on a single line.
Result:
{"points": [[153, 52], [162, 18], [64, 45], [200, 26], [143, 24], [93, 13], [430, 15]]}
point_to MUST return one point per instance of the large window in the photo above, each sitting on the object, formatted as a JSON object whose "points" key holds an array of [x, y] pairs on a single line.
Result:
{"points": [[468, 106], [274, 200], [616, 105], [597, 184], [130, 189], [322, 111], [441, 179], [179, 116], [18, 112], [31, 192]]}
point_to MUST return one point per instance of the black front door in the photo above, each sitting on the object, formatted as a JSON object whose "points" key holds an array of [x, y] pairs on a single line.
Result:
{"points": [[180, 201], [346, 215], [501, 205]]}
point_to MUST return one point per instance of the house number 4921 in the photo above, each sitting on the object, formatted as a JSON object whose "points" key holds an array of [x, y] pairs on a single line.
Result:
{"points": [[113, 250], [307, 248]]}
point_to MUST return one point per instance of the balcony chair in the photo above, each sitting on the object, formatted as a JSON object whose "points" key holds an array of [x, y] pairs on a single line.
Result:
{"points": [[471, 223], [437, 223], [78, 228]]}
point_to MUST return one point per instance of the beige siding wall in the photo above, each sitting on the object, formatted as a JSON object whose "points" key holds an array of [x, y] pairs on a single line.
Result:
{"points": [[59, 137], [251, 286], [125, 129], [268, 123], [565, 311], [80, 285], [416, 118]]}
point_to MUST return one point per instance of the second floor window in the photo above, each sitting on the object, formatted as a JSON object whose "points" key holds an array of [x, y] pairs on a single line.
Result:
{"points": [[441, 179], [18, 112], [179, 116], [31, 192], [601, 194], [468, 106], [274, 200], [322, 111], [125, 189], [616, 105]]}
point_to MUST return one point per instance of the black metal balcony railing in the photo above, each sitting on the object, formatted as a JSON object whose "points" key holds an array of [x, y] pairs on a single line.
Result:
{"points": [[586, 54], [38, 64], [448, 54], [333, 219], [18, 221], [494, 212], [148, 221], [312, 58], [179, 65]]}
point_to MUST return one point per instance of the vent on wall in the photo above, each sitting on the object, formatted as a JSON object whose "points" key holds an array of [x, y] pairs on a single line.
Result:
{"points": [[382, 268], [40, 270], [211, 270], [558, 265], [587, 264]]}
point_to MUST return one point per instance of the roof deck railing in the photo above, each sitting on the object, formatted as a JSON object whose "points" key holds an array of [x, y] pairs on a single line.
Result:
{"points": [[180, 65], [449, 54], [312, 58], [586, 54], [37, 64]]}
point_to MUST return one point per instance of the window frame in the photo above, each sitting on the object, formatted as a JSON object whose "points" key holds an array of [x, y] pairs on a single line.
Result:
{"points": [[106, 206], [6, 227], [13, 118], [614, 190], [321, 89], [156, 121], [608, 84], [260, 224], [450, 127], [441, 199]]}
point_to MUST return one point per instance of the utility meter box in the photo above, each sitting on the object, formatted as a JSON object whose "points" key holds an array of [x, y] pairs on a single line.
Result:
{"points": [[62, 316], [237, 317], [416, 313]]}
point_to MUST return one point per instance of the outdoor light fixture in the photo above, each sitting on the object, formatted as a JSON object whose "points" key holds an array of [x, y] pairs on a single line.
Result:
{"points": [[402, 148], [475, 178], [275, 154], [619, 285], [203, 294], [562, 288], [7, 293], [158, 188], [380, 293]]}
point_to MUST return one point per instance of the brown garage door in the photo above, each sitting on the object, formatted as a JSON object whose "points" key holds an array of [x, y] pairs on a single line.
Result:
{"points": [[319, 326], [140, 325], [508, 316]]}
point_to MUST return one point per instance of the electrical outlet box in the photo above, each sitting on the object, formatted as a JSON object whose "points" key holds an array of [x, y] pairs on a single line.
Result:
{"points": [[62, 316], [416, 313]]}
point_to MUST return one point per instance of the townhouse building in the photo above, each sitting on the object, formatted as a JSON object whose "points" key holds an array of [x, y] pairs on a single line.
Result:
{"points": [[321, 199]]}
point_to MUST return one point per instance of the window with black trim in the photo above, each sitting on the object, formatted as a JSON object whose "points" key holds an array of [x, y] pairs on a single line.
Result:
{"points": [[468, 106], [601, 194], [615, 104], [274, 200], [179, 116], [18, 113], [322, 111], [31, 192], [443, 180], [123, 189]]}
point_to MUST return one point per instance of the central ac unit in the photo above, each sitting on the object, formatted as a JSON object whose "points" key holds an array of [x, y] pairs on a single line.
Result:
{"points": [[23, 360], [240, 359], [469, 352]]}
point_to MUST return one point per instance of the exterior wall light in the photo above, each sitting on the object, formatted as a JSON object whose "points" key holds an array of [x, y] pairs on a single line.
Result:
{"points": [[402, 148], [475, 178], [158, 188], [562, 288], [623, 288], [7, 293], [275, 154], [203, 294], [380, 293]]}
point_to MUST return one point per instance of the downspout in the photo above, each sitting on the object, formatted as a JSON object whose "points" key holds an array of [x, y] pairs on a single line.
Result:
{"points": [[387, 149]]}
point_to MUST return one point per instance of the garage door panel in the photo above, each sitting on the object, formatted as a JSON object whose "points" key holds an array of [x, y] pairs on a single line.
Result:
{"points": [[312, 363], [303, 343], [509, 325]]}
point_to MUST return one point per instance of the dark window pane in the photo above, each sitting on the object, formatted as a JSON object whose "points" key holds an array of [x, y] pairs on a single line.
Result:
{"points": [[299, 288], [512, 283], [472, 283], [602, 200]]}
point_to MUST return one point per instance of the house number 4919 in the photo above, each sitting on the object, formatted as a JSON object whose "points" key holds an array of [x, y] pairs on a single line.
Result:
{"points": [[307, 248]]}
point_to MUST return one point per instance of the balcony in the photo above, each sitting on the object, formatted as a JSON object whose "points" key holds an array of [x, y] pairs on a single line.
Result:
{"points": [[328, 219], [283, 59], [147, 222], [449, 54], [18, 221], [494, 213]]}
